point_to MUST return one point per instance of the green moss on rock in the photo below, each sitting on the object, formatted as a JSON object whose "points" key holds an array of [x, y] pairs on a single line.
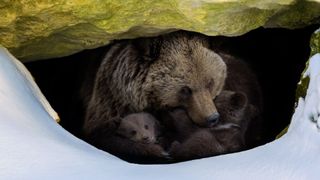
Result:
{"points": [[315, 42], [39, 29], [315, 48]]}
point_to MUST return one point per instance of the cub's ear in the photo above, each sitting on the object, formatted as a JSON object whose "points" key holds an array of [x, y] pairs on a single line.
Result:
{"points": [[205, 41], [238, 100], [194, 36], [148, 48], [234, 100], [115, 122]]}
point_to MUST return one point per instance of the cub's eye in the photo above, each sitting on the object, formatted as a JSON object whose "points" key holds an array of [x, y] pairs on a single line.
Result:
{"points": [[185, 92], [133, 132], [146, 126], [210, 84]]}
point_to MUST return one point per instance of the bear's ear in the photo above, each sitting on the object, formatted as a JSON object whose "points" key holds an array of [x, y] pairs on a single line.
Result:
{"points": [[194, 36], [115, 122], [238, 100], [205, 41], [148, 48]]}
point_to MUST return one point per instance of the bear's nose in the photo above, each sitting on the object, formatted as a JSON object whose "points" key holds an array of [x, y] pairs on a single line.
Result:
{"points": [[145, 138], [213, 119]]}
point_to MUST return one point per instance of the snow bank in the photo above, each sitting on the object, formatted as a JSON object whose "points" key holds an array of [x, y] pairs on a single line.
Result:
{"points": [[34, 146]]}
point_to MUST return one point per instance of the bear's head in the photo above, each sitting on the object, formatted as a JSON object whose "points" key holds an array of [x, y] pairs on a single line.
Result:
{"points": [[139, 127], [184, 73], [232, 106], [235, 109]]}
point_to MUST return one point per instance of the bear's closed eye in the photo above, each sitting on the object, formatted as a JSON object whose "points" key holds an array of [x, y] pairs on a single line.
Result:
{"points": [[185, 92]]}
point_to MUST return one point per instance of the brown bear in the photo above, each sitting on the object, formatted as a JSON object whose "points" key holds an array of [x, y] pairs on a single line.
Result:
{"points": [[168, 71], [241, 78], [225, 137], [136, 139], [139, 127]]}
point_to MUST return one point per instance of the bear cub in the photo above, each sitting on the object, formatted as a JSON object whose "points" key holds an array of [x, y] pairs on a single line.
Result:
{"points": [[136, 138], [139, 127], [226, 136]]}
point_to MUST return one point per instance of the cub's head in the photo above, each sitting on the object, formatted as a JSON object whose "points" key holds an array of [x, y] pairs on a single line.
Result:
{"points": [[186, 74], [139, 127], [232, 106]]}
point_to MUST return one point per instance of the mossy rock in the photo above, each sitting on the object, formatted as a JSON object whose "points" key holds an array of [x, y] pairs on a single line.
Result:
{"points": [[40, 29], [315, 48]]}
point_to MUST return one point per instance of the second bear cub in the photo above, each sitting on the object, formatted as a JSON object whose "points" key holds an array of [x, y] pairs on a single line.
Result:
{"points": [[225, 137]]}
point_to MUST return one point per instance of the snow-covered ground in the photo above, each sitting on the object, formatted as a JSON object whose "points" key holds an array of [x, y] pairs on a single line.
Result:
{"points": [[34, 146]]}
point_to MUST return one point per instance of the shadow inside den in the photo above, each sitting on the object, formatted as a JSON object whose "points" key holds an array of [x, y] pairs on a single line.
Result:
{"points": [[276, 56]]}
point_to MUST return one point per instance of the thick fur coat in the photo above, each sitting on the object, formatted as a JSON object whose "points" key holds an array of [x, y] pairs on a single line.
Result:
{"points": [[173, 70], [225, 137]]}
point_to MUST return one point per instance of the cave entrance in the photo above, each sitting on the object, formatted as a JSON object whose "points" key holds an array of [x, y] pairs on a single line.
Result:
{"points": [[277, 56]]}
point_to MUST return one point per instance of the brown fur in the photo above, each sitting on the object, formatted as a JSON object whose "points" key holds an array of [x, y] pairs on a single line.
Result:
{"points": [[225, 137], [173, 70], [240, 78], [139, 127], [240, 107], [138, 146]]}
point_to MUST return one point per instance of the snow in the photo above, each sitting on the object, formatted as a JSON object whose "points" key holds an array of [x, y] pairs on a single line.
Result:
{"points": [[34, 146]]}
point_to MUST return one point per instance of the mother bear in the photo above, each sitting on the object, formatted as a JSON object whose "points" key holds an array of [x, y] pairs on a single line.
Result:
{"points": [[173, 70]]}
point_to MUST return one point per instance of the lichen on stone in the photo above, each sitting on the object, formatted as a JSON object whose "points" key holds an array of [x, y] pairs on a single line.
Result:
{"points": [[40, 29], [315, 48], [315, 43]]}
